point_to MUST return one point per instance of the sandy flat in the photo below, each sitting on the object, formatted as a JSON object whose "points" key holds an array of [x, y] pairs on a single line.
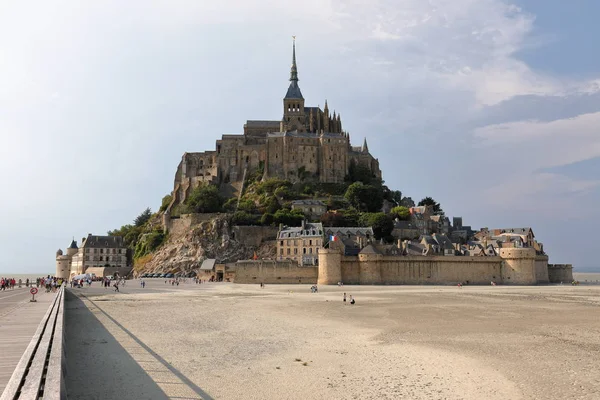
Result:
{"points": [[226, 341]]}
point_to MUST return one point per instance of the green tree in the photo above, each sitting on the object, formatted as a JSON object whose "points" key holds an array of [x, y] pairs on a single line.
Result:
{"points": [[366, 198], [267, 219], [382, 224], [247, 206], [143, 217], [244, 218], [165, 202], [288, 217], [360, 173], [400, 212], [205, 199], [271, 205], [428, 201]]}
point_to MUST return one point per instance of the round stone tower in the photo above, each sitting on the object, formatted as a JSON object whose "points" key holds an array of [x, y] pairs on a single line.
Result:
{"points": [[519, 266], [330, 266], [63, 265]]}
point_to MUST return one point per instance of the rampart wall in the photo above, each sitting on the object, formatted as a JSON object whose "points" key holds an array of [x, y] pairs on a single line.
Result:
{"points": [[512, 266], [272, 272], [558, 273]]}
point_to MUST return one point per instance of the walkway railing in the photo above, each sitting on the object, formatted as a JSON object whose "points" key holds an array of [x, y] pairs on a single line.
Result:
{"points": [[40, 372]]}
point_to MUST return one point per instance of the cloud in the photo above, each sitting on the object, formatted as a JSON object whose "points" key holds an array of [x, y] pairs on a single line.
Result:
{"points": [[99, 100]]}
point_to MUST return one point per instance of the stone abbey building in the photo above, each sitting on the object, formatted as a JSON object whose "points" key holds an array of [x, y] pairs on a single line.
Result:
{"points": [[306, 142]]}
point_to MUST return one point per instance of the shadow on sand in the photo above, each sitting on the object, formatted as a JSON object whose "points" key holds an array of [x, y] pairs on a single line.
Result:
{"points": [[98, 367]]}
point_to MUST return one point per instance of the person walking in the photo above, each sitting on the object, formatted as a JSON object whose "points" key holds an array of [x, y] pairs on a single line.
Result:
{"points": [[116, 286], [344, 297], [352, 300]]}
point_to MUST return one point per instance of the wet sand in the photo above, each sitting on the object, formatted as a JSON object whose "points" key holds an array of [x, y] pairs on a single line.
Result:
{"points": [[226, 341]]}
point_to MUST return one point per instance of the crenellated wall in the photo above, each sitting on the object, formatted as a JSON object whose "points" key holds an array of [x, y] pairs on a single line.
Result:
{"points": [[513, 266], [560, 273]]}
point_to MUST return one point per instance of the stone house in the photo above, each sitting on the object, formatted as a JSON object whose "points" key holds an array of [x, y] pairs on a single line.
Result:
{"points": [[300, 244], [311, 208], [349, 239], [405, 230]]}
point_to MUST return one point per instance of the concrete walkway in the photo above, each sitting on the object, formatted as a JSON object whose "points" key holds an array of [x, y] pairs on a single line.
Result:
{"points": [[19, 319]]}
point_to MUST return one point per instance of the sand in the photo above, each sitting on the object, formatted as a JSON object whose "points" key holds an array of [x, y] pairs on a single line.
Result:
{"points": [[226, 341]]}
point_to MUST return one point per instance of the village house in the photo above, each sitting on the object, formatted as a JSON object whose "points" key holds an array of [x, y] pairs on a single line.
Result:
{"points": [[311, 208], [349, 239], [300, 244]]}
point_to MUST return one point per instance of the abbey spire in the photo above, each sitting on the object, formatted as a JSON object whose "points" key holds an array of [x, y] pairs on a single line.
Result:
{"points": [[294, 90]]}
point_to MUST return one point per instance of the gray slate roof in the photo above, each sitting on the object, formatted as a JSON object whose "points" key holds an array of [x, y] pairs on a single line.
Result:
{"points": [[349, 231], [443, 241], [93, 241], [308, 135], [263, 123], [307, 203], [309, 230], [369, 249], [208, 264], [73, 244], [293, 91]]}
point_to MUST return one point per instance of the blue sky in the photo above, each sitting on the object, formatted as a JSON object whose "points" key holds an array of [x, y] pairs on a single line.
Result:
{"points": [[491, 107]]}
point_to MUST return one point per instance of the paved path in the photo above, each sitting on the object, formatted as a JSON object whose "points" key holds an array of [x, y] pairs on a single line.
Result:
{"points": [[19, 319]]}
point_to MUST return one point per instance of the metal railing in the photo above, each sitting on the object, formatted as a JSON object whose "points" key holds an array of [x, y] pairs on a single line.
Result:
{"points": [[40, 372]]}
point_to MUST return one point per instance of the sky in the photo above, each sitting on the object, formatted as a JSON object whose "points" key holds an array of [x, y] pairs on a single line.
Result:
{"points": [[491, 107]]}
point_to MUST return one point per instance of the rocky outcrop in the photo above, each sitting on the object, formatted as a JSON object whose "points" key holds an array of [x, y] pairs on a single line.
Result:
{"points": [[185, 251]]}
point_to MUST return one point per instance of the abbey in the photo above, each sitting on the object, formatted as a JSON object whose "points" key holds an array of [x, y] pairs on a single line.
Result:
{"points": [[306, 143]]}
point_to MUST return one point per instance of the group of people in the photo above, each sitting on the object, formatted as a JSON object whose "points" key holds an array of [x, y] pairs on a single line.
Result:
{"points": [[7, 283]]}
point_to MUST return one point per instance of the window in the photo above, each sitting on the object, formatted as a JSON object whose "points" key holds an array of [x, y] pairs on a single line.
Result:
{"points": [[296, 250], [119, 251], [95, 251], [310, 250], [87, 250], [101, 251], [288, 251], [304, 250], [281, 243], [100, 258], [310, 242]]}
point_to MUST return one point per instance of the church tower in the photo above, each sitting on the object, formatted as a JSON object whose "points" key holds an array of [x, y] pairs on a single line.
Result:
{"points": [[293, 103]]}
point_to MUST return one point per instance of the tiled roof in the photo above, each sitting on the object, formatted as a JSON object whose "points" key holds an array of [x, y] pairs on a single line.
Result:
{"points": [[258, 123], [349, 231], [369, 249], [309, 229], [516, 231], [307, 203], [293, 91], [93, 241]]}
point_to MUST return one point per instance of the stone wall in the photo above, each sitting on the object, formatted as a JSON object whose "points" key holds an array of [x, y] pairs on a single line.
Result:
{"points": [[514, 266], [272, 272], [254, 235], [558, 273], [541, 269]]}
